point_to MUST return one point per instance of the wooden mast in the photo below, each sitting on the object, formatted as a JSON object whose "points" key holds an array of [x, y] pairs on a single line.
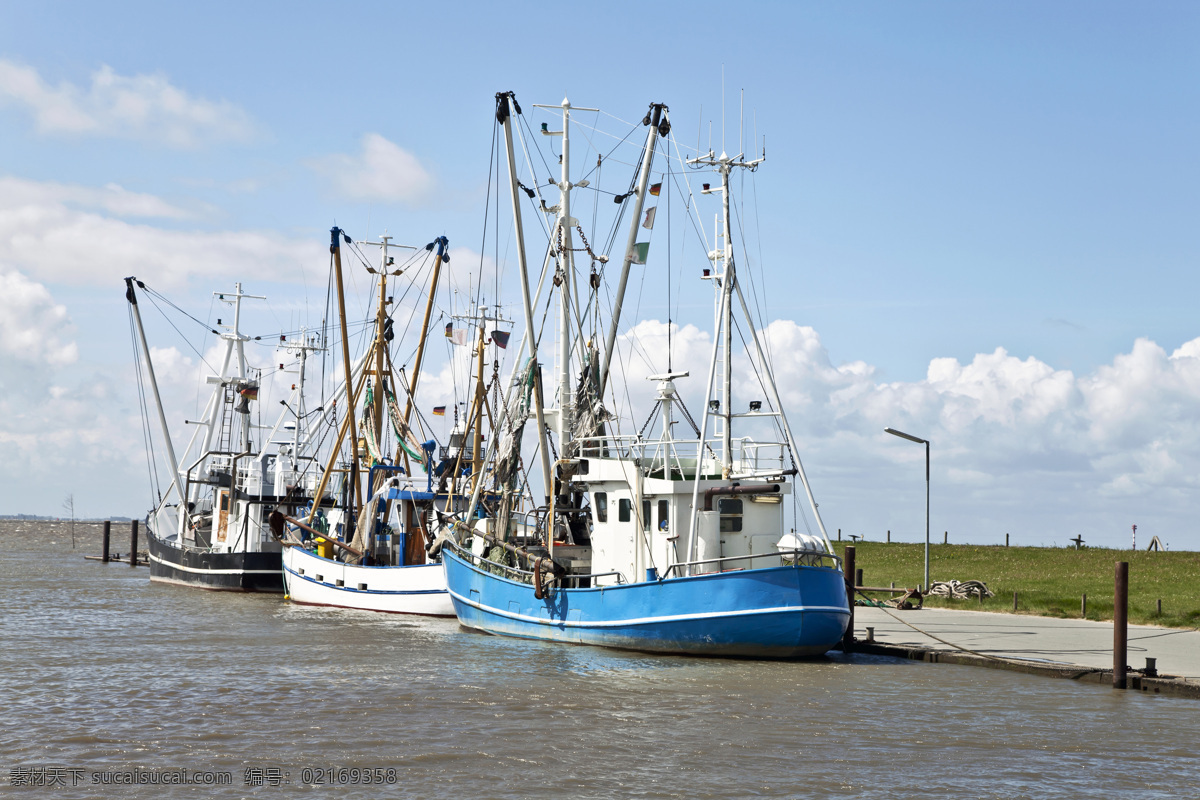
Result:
{"points": [[441, 243], [335, 247]]}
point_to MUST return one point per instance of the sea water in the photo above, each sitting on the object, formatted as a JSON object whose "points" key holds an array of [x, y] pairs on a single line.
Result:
{"points": [[114, 686]]}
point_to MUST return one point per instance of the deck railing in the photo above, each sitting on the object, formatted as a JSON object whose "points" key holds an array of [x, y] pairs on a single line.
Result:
{"points": [[786, 558], [803, 558], [750, 458], [523, 575]]}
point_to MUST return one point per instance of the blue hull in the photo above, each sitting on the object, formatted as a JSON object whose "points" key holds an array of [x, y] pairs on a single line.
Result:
{"points": [[777, 612]]}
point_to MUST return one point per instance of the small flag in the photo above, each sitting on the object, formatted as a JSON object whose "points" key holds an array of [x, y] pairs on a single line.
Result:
{"points": [[649, 223], [439, 411], [449, 330], [500, 338], [655, 189], [249, 392], [459, 336], [639, 252]]}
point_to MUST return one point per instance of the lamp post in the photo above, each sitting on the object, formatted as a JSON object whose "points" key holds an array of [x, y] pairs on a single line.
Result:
{"points": [[925, 442]]}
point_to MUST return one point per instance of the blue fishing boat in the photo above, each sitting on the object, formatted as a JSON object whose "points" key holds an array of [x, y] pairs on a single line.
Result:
{"points": [[667, 543], [772, 612]]}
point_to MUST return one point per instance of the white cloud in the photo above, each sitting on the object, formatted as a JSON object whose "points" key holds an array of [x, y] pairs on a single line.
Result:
{"points": [[142, 107], [1017, 444], [64, 232], [382, 171], [114, 199], [34, 330]]}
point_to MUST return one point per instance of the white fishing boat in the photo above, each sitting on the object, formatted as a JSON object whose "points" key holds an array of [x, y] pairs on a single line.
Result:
{"points": [[364, 545], [209, 526], [662, 543]]}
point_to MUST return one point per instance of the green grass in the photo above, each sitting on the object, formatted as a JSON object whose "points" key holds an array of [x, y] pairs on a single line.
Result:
{"points": [[1048, 581]]}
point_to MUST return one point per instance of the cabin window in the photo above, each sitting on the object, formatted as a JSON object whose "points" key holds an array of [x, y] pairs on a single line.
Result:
{"points": [[730, 509], [664, 515], [645, 515], [600, 506], [624, 509]]}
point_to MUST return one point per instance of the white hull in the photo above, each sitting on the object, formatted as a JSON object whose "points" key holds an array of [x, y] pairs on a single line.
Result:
{"points": [[418, 589]]}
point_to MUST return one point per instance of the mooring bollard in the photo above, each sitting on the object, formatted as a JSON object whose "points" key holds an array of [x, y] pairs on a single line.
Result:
{"points": [[1151, 670], [849, 572], [104, 547], [1120, 624], [871, 638], [133, 544]]}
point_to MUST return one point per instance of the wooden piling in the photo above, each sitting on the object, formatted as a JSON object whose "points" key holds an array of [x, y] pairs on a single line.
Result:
{"points": [[1120, 624], [849, 572], [133, 544], [104, 546], [858, 578]]}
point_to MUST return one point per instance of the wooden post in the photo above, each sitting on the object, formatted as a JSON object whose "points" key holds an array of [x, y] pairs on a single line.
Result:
{"points": [[133, 544], [839, 534], [104, 547], [1006, 540], [1014, 601], [1120, 624], [889, 537], [849, 572], [1083, 607], [1159, 611], [858, 579], [945, 537]]}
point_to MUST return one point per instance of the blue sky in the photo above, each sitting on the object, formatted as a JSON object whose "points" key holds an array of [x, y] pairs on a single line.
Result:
{"points": [[943, 179]]}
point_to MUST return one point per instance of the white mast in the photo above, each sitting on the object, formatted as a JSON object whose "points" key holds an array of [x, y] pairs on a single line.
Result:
{"points": [[562, 231], [504, 111], [234, 343], [162, 418], [723, 337], [653, 119], [728, 276]]}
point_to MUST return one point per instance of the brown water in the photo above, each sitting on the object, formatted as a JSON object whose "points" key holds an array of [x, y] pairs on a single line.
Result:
{"points": [[102, 671]]}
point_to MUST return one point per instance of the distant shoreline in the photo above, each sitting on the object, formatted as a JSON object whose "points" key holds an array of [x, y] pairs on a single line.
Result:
{"points": [[35, 518]]}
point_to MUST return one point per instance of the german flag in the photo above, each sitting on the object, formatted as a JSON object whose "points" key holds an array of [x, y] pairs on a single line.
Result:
{"points": [[655, 189], [439, 411]]}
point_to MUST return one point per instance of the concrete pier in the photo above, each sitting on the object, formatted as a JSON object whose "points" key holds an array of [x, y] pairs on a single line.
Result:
{"points": [[1080, 649]]}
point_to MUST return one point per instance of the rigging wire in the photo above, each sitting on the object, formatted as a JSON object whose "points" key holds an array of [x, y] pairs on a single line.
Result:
{"points": [[147, 438]]}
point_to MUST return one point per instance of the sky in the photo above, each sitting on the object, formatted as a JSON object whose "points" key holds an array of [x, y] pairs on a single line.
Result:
{"points": [[976, 223]]}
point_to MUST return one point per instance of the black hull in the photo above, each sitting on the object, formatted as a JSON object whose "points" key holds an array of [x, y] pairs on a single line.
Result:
{"points": [[229, 572]]}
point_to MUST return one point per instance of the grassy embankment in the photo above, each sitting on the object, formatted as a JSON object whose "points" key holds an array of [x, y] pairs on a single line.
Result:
{"points": [[1048, 581]]}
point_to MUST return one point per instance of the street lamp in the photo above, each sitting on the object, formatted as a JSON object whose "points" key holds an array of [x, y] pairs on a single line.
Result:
{"points": [[925, 442]]}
